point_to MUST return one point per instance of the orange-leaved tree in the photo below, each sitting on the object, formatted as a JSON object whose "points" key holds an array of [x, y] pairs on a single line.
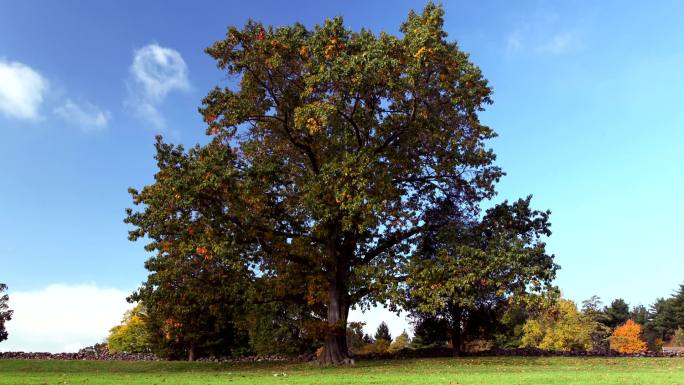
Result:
{"points": [[626, 338]]}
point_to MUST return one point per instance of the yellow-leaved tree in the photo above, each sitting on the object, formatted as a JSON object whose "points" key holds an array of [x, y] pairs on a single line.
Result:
{"points": [[130, 336], [559, 327]]}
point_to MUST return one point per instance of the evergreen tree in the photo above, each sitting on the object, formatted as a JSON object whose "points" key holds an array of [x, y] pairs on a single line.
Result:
{"points": [[383, 333], [639, 314], [617, 313]]}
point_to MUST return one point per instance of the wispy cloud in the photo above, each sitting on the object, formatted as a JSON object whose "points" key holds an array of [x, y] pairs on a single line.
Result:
{"points": [[560, 43], [514, 41], [543, 34], [21, 90], [155, 72], [86, 116], [62, 318]]}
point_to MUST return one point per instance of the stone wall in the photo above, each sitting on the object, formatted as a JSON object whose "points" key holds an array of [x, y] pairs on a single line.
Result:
{"points": [[405, 353]]}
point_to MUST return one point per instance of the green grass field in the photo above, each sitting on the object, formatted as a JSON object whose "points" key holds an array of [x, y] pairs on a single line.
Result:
{"points": [[461, 371]]}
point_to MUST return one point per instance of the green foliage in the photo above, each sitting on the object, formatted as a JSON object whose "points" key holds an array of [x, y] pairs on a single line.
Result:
{"points": [[355, 337], [132, 335], [600, 335], [383, 333], [664, 319], [617, 313], [510, 332], [197, 285], [639, 314], [329, 160], [429, 331], [471, 270], [559, 327], [279, 328], [5, 312]]}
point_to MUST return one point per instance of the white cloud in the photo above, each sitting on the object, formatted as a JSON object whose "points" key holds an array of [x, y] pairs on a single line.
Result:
{"points": [[21, 90], [87, 116], [62, 318], [156, 71]]}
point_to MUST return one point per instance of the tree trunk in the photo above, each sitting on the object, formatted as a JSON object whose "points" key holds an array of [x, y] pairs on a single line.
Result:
{"points": [[456, 339], [335, 351], [456, 342], [191, 353]]}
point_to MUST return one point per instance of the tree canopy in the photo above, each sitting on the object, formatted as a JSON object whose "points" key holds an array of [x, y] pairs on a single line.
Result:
{"points": [[469, 270], [559, 327], [330, 158], [617, 313], [626, 338]]}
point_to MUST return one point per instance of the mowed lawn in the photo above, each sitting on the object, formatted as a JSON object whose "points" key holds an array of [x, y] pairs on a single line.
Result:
{"points": [[461, 371]]}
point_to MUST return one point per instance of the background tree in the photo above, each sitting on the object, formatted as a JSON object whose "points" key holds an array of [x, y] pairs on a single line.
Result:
{"points": [[627, 338], [198, 285], [600, 335], [510, 331], [471, 270], [558, 327], [355, 337], [678, 338], [5, 312], [428, 330], [383, 333], [617, 313], [664, 320], [402, 341], [277, 327], [338, 146], [639, 314], [132, 335]]}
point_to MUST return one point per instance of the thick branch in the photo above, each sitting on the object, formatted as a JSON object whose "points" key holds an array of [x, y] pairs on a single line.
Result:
{"points": [[389, 242]]}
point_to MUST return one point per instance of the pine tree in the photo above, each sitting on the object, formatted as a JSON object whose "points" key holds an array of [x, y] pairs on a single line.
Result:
{"points": [[383, 333]]}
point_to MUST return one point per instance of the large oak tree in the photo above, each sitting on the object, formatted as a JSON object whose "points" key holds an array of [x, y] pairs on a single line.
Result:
{"points": [[338, 147]]}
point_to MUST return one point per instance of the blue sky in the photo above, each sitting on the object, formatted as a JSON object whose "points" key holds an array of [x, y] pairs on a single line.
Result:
{"points": [[587, 105]]}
